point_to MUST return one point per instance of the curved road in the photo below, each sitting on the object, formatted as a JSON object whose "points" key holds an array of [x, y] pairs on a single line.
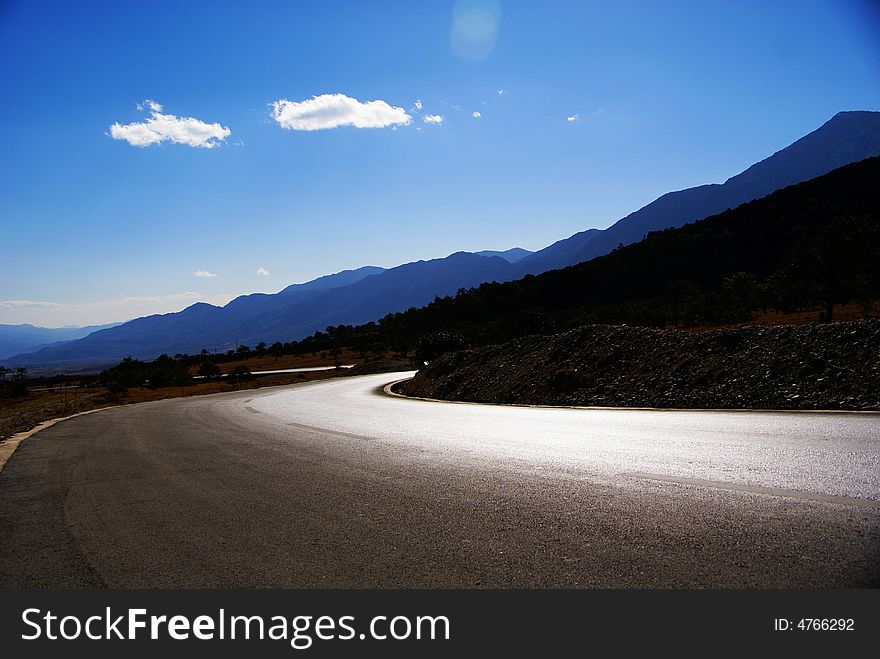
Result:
{"points": [[333, 484]]}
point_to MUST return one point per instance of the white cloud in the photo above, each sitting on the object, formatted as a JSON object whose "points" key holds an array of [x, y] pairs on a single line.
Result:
{"points": [[476, 115], [572, 118], [262, 272], [418, 105], [501, 92], [204, 274], [433, 119], [334, 110], [169, 128]]}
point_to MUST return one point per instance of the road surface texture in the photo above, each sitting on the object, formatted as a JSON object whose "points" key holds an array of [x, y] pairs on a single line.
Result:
{"points": [[333, 484]]}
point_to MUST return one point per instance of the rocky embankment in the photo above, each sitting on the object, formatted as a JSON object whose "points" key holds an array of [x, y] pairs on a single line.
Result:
{"points": [[829, 366]]}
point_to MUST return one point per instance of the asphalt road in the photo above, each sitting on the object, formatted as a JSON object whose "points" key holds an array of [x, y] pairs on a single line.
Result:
{"points": [[331, 484]]}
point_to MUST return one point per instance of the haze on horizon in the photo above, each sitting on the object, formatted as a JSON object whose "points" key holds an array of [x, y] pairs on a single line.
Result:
{"points": [[168, 153]]}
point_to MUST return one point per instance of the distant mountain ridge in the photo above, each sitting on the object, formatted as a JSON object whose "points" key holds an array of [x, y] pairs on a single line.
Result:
{"points": [[369, 293], [511, 255], [294, 312], [15, 339]]}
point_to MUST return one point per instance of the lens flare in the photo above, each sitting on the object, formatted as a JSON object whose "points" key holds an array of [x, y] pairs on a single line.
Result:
{"points": [[475, 28]]}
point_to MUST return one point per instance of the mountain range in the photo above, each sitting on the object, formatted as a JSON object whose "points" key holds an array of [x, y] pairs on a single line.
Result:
{"points": [[846, 138], [369, 293]]}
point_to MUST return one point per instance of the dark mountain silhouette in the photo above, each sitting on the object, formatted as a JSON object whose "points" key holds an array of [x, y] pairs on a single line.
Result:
{"points": [[293, 313], [15, 339], [809, 245], [847, 137]]}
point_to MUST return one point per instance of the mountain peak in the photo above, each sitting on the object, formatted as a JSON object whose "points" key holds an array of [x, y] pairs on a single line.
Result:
{"points": [[511, 255], [853, 114]]}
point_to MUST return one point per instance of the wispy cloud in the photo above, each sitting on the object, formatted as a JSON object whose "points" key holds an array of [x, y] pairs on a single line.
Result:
{"points": [[500, 92], [435, 119], [160, 128], [417, 105], [204, 274], [149, 105], [262, 272], [335, 110], [572, 118], [24, 304], [476, 115], [56, 314]]}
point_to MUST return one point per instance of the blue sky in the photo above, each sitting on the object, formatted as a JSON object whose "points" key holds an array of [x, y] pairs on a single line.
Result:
{"points": [[666, 95]]}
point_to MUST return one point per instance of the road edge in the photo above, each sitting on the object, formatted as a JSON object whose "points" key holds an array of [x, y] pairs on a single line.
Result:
{"points": [[9, 446]]}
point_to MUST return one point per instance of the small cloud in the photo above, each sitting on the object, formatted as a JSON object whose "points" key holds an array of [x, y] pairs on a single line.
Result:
{"points": [[335, 110], [476, 115], [418, 105], [204, 274], [169, 128], [262, 272], [149, 104], [435, 119], [500, 92], [572, 118], [598, 112]]}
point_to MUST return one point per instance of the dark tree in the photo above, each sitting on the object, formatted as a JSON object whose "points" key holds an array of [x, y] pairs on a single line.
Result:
{"points": [[209, 370], [238, 374]]}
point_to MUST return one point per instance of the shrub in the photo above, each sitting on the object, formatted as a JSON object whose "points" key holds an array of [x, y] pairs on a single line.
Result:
{"points": [[209, 370]]}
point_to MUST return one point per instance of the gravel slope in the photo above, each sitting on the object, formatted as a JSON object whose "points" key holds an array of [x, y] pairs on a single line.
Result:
{"points": [[833, 366]]}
